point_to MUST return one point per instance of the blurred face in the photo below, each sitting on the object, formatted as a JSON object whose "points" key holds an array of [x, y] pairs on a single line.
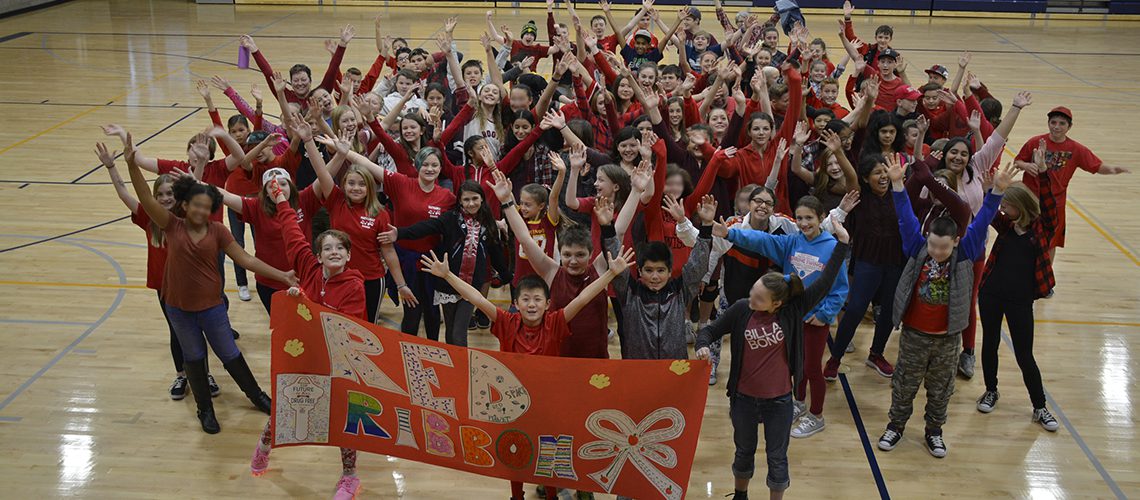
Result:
{"points": [[521, 128], [333, 254], [355, 79], [887, 67], [674, 186], [1009, 209], [1059, 128], [669, 82], [742, 203], [905, 106], [676, 114], [629, 150], [532, 304], [829, 93], [820, 122], [760, 299], [519, 100], [411, 131], [641, 44], [930, 99], [473, 75], [708, 61], [604, 186], [655, 275], [373, 101], [529, 208], [429, 171], [403, 83], [435, 98], [808, 222], [700, 42], [489, 95], [355, 188], [887, 136], [760, 131], [878, 180], [762, 205], [883, 39], [940, 247], [239, 132], [471, 202], [198, 209], [575, 258], [301, 82], [957, 158], [165, 195], [718, 120]]}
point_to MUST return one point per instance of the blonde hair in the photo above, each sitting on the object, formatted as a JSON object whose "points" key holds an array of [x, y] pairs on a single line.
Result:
{"points": [[339, 112], [371, 203], [1028, 208]]}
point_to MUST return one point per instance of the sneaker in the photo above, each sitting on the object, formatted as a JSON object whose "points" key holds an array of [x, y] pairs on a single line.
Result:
{"points": [[850, 347], [988, 401], [712, 376], [1050, 294], [1043, 417], [214, 389], [243, 293], [610, 334], [890, 438], [966, 365], [346, 488], [809, 425], [880, 364], [178, 388], [831, 370], [482, 321], [260, 461], [934, 443], [800, 409], [471, 325], [739, 495]]}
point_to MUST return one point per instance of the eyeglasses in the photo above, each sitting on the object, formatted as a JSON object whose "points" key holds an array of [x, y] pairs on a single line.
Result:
{"points": [[762, 201]]}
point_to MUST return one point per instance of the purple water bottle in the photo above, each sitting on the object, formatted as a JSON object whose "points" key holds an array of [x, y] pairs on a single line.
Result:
{"points": [[243, 57]]}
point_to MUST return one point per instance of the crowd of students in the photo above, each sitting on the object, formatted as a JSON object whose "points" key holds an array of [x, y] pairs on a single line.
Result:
{"points": [[749, 190]]}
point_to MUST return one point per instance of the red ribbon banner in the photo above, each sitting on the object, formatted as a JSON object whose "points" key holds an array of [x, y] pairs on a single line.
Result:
{"points": [[626, 427]]}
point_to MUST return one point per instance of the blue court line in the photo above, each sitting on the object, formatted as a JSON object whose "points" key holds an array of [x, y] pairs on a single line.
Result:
{"points": [[14, 36], [91, 329], [43, 322], [11, 419], [1108, 480], [875, 471]]}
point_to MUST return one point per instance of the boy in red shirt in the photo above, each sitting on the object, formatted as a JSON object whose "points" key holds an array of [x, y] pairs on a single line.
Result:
{"points": [[1062, 158], [535, 329]]}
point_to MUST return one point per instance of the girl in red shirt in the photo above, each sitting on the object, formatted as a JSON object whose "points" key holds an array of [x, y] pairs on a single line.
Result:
{"points": [[155, 256]]}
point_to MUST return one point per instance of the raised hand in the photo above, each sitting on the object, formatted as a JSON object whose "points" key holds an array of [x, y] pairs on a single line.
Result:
{"points": [[556, 162], [302, 130], [577, 156], [642, 178], [388, 236], [107, 158], [247, 42], [621, 263], [706, 210], [502, 186], [115, 130], [450, 23], [604, 210], [975, 120], [674, 208], [203, 89], [255, 91], [1022, 99], [847, 204], [330, 46], [922, 123], [964, 59], [848, 9], [278, 82], [895, 169], [720, 228], [433, 265], [781, 152], [802, 133], [832, 141], [840, 232], [1003, 177], [553, 120], [276, 192], [987, 178], [346, 34]]}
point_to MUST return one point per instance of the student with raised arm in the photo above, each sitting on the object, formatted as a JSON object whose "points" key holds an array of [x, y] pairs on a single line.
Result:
{"points": [[300, 76], [932, 304], [767, 342], [156, 253], [323, 275], [190, 283], [536, 328]]}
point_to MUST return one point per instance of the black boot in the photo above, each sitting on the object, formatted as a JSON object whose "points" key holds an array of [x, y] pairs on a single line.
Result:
{"points": [[200, 386], [239, 370]]}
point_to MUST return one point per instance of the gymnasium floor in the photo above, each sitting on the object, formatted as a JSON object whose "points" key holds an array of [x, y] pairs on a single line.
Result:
{"points": [[85, 365]]}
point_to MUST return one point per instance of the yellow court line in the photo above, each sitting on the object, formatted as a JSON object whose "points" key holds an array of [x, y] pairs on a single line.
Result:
{"points": [[85, 113]]}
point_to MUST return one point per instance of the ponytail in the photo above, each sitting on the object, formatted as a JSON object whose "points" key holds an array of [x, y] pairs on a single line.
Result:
{"points": [[783, 287]]}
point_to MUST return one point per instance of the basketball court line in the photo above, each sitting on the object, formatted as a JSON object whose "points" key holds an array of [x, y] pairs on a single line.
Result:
{"points": [[876, 472], [1058, 68]]}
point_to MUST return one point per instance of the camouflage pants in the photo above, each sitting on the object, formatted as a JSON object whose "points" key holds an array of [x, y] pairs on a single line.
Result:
{"points": [[929, 358]]}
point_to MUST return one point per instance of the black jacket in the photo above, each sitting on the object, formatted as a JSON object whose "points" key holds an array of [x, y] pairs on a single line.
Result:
{"points": [[452, 229]]}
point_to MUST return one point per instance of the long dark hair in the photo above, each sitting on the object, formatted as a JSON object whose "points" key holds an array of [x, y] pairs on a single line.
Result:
{"points": [[969, 167], [783, 287], [484, 214], [625, 134], [879, 120], [408, 147]]}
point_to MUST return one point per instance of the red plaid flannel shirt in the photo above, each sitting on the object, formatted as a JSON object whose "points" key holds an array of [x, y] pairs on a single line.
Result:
{"points": [[1042, 230]]}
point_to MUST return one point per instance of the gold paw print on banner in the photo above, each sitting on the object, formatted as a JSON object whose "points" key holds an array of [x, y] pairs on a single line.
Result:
{"points": [[294, 347], [680, 367], [303, 311], [600, 381]]}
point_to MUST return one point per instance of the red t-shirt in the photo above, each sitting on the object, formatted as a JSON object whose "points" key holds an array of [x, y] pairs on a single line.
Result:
{"points": [[543, 231], [537, 51], [215, 174], [764, 369], [1062, 159], [362, 230], [929, 310], [889, 91], [155, 256], [544, 339], [191, 281], [591, 325], [269, 242], [410, 205], [608, 43], [242, 183]]}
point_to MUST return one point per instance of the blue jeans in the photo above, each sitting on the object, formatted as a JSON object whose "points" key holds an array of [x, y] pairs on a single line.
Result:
{"points": [[237, 228], [746, 413], [195, 328], [869, 282]]}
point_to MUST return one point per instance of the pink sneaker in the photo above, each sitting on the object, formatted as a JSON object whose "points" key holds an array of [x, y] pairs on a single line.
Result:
{"points": [[880, 364], [260, 461], [346, 488]]}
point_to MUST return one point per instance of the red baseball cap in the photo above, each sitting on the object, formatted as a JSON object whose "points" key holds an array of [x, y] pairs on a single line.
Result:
{"points": [[910, 93], [1061, 110]]}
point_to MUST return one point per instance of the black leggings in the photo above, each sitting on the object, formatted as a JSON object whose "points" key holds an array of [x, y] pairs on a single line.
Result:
{"points": [[456, 316], [620, 324], [175, 346], [1019, 318], [265, 293], [424, 290], [373, 292]]}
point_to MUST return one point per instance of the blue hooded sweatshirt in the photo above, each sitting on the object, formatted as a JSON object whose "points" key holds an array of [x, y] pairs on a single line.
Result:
{"points": [[806, 258]]}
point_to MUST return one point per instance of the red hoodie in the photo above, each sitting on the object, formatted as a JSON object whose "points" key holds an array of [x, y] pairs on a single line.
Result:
{"points": [[343, 292]]}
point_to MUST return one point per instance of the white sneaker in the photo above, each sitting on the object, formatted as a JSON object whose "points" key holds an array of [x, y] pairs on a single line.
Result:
{"points": [[809, 425], [243, 293], [1043, 417]]}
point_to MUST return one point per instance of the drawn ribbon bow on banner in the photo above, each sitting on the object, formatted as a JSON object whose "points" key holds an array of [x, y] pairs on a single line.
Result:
{"points": [[635, 443]]}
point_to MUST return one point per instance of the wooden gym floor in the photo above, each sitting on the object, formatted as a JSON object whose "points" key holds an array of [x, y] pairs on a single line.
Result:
{"points": [[85, 368]]}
